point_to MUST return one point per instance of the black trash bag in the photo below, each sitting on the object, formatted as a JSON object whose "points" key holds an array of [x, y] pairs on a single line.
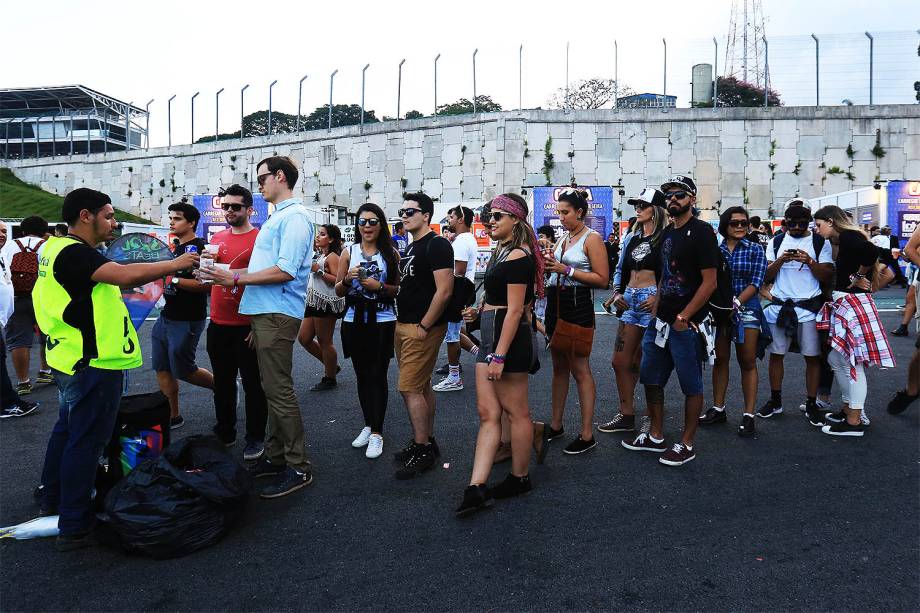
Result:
{"points": [[185, 500]]}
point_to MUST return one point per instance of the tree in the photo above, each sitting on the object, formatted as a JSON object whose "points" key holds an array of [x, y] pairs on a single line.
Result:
{"points": [[589, 94], [256, 124], [342, 115], [414, 115], [733, 92], [484, 104]]}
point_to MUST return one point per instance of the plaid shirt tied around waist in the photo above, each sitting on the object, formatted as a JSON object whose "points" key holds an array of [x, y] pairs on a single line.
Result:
{"points": [[855, 331]]}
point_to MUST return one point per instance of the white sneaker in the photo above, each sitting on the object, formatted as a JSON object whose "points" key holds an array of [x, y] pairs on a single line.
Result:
{"points": [[374, 446], [361, 441], [448, 385]]}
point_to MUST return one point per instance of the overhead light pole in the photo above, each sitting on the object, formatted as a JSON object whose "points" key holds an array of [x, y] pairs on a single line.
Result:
{"points": [[242, 105], [299, 99]]}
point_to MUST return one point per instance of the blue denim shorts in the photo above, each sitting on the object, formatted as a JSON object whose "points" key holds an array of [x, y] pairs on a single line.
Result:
{"points": [[634, 297], [174, 346], [683, 352], [453, 332]]}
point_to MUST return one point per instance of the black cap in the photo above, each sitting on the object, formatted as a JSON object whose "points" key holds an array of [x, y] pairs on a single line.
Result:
{"points": [[649, 195], [680, 181]]}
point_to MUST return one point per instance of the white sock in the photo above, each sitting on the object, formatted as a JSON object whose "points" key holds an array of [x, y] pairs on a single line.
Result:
{"points": [[474, 349], [655, 440], [453, 372]]}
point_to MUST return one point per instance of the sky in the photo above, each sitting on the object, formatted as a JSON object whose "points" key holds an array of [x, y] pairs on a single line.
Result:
{"points": [[137, 51]]}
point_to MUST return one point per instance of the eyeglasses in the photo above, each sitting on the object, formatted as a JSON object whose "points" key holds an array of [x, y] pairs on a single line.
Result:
{"points": [[236, 207], [408, 212], [739, 223], [676, 195], [370, 221], [799, 225], [262, 178]]}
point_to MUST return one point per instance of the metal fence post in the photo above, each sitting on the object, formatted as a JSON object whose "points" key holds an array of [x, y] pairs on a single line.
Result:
{"points": [[817, 72], [71, 132], [363, 81], [766, 72], [217, 113], [270, 106], [616, 73], [168, 122], [127, 127], [475, 51], [195, 95], [299, 99], [436, 58], [399, 88], [565, 103], [331, 78], [715, 73], [871, 59], [242, 93], [520, 77], [147, 108], [665, 43]]}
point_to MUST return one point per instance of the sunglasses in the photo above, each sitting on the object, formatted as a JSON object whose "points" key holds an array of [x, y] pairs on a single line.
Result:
{"points": [[373, 221], [641, 206], [739, 223], [680, 195], [408, 212], [799, 225], [262, 178], [236, 207], [497, 216]]}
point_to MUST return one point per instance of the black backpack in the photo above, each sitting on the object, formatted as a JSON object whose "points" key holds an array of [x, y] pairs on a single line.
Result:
{"points": [[723, 298]]}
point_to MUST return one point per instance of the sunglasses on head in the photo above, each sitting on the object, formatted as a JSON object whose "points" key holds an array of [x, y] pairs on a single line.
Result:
{"points": [[739, 223], [408, 212], [262, 178], [236, 207], [371, 221], [678, 195]]}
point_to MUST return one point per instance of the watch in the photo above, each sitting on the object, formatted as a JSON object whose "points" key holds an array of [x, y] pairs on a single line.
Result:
{"points": [[174, 281], [680, 317]]}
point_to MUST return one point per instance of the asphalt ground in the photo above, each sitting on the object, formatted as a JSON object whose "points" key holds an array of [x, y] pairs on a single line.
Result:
{"points": [[789, 520]]}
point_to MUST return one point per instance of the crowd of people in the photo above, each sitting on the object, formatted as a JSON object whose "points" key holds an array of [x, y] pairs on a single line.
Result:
{"points": [[684, 296]]}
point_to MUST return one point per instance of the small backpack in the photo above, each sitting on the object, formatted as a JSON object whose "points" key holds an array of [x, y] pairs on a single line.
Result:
{"points": [[722, 300], [24, 268]]}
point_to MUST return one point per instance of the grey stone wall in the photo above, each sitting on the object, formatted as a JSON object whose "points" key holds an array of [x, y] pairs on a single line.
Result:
{"points": [[753, 156]]}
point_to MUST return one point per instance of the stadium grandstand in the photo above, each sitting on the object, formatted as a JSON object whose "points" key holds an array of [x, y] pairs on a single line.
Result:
{"points": [[66, 120]]}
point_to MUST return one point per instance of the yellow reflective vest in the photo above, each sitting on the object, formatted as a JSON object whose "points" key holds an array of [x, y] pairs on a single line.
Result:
{"points": [[99, 334]]}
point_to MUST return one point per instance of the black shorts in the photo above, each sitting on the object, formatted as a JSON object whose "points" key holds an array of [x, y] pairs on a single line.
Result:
{"points": [[521, 356], [576, 305], [315, 312]]}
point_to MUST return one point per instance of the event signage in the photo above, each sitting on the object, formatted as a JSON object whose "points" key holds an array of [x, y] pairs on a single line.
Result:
{"points": [[600, 208], [212, 216], [903, 208]]}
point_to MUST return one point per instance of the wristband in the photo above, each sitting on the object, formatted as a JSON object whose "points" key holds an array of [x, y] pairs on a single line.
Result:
{"points": [[495, 357], [422, 326], [680, 317], [236, 278], [570, 272]]}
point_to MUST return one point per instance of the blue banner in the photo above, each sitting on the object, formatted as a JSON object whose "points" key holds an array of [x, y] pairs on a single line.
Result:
{"points": [[212, 216], [600, 208], [903, 208]]}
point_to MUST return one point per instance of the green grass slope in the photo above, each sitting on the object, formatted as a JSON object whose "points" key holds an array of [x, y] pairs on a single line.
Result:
{"points": [[19, 199]]}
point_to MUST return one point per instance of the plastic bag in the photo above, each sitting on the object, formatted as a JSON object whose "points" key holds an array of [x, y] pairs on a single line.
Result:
{"points": [[32, 529], [185, 500]]}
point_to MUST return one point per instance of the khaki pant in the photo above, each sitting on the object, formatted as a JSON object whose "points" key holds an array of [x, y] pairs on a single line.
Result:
{"points": [[274, 336]]}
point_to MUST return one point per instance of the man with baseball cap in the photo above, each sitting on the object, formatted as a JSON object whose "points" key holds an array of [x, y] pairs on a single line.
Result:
{"points": [[689, 257], [798, 262]]}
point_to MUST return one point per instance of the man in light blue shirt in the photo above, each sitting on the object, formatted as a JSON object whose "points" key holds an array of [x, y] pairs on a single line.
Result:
{"points": [[276, 291]]}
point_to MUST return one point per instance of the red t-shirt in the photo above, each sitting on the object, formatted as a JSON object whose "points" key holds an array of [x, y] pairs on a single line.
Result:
{"points": [[235, 249]]}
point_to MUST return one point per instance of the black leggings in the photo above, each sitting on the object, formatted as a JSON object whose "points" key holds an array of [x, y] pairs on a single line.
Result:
{"points": [[370, 348]]}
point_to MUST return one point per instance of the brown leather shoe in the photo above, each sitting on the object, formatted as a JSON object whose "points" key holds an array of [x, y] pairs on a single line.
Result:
{"points": [[539, 440], [503, 454]]}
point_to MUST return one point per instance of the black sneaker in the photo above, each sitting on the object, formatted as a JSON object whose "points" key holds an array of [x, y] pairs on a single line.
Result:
{"points": [[844, 429], [20, 409], [264, 468], [835, 418], [713, 415], [551, 434], [579, 445], [291, 481], [475, 498], [814, 415], [71, 542], [422, 460], [176, 422], [747, 425], [901, 401], [512, 486], [769, 409], [619, 423], [899, 331], [326, 383], [406, 452]]}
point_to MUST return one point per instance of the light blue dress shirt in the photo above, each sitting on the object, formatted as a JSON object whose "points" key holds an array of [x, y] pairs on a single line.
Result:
{"points": [[285, 240]]}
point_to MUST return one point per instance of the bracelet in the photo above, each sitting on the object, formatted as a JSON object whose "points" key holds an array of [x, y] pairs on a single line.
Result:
{"points": [[236, 278], [856, 277], [570, 272], [495, 357], [680, 317], [422, 326]]}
